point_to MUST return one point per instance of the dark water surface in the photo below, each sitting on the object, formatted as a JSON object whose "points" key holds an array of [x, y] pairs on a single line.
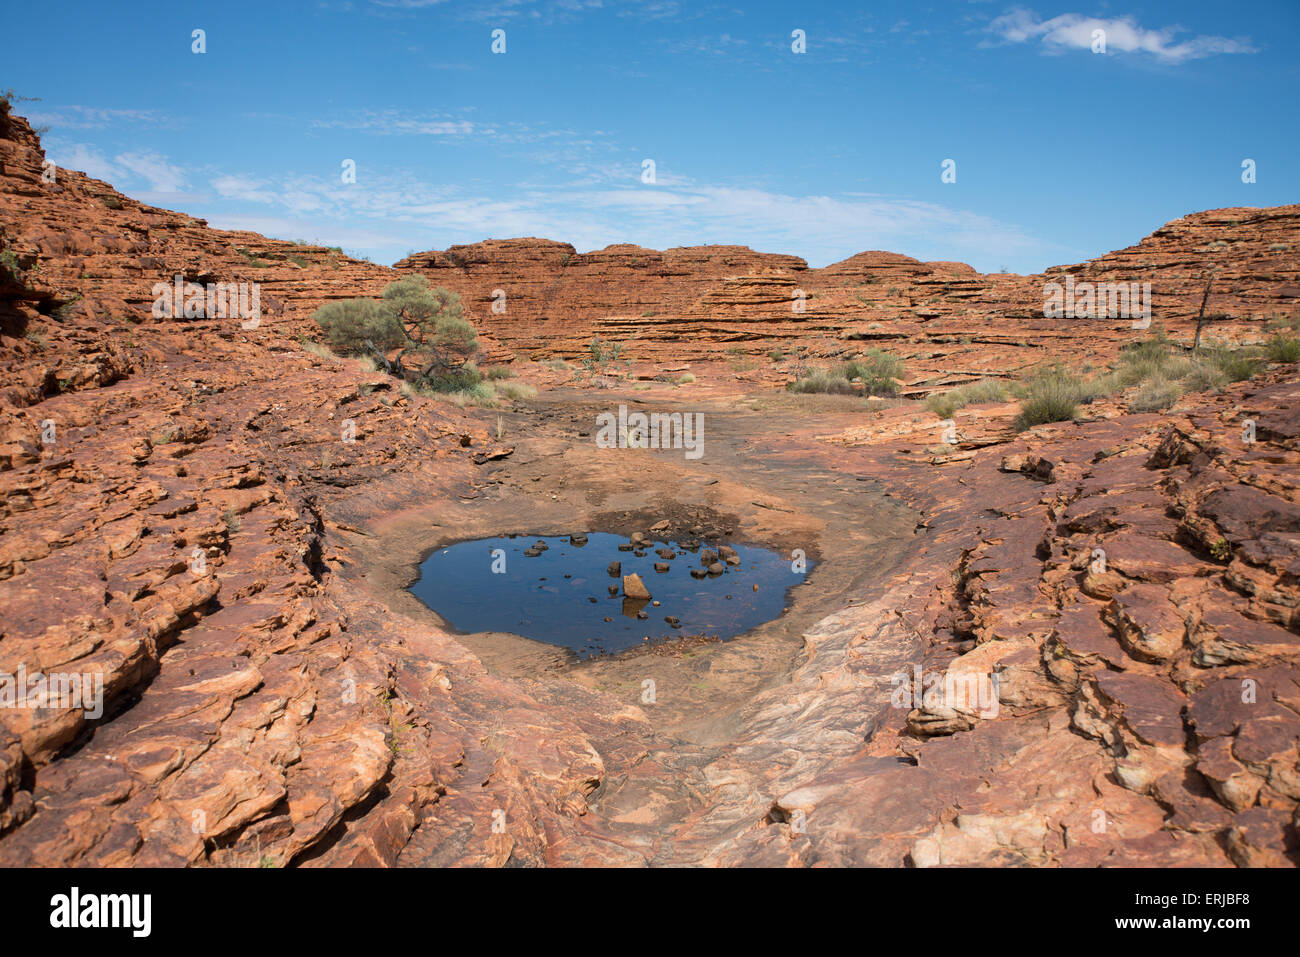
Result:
{"points": [[548, 597]]}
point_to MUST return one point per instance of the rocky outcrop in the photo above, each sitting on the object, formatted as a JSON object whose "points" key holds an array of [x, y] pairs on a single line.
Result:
{"points": [[167, 535], [951, 323]]}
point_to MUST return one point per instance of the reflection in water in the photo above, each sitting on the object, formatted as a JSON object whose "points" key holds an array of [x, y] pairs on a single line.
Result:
{"points": [[571, 594]]}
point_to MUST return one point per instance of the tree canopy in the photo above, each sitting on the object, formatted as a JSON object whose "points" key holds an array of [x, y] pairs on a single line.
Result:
{"points": [[425, 326]]}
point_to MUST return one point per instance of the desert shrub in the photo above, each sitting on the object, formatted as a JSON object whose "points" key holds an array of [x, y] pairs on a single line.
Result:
{"points": [[944, 404], [1155, 395], [499, 372], [1236, 364], [877, 372], [434, 341], [464, 378], [686, 378], [355, 326], [515, 390], [602, 355], [1205, 378], [1051, 396], [10, 264], [1156, 361], [827, 381], [1143, 360], [986, 390], [1283, 348], [481, 393]]}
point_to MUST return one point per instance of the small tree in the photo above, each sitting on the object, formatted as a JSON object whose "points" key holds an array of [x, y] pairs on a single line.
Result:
{"points": [[425, 325]]}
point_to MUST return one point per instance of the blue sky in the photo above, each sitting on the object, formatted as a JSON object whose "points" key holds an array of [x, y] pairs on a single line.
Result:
{"points": [[1061, 153]]}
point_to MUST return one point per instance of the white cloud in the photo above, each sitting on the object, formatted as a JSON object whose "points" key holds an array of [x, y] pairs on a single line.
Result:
{"points": [[153, 168], [822, 229], [242, 187], [87, 159], [1074, 31]]}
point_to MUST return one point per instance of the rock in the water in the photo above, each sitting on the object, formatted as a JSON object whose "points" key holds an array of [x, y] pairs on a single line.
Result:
{"points": [[633, 587]]}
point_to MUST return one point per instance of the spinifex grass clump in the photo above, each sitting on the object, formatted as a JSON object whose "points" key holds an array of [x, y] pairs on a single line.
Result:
{"points": [[1164, 371], [944, 404], [1053, 395], [1155, 395], [1285, 344], [1159, 369], [1284, 349], [876, 373]]}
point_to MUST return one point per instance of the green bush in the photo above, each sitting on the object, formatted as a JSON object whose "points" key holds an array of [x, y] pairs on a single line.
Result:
{"points": [[500, 372], [873, 374], [465, 378], [1205, 378], [516, 390], [1236, 364], [1157, 361], [352, 325], [426, 325], [877, 371]]}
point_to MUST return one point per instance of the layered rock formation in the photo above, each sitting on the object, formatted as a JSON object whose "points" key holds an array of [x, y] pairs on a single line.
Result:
{"points": [[950, 322], [164, 526], [182, 500]]}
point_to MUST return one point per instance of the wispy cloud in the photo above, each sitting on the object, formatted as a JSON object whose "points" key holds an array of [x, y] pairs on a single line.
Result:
{"points": [[822, 229], [1074, 31], [154, 169], [399, 122], [146, 175], [87, 159], [93, 117]]}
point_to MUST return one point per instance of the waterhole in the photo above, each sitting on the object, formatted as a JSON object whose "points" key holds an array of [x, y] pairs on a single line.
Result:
{"points": [[568, 591]]}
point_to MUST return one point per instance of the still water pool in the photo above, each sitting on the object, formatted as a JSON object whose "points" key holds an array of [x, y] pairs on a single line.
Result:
{"points": [[568, 594]]}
